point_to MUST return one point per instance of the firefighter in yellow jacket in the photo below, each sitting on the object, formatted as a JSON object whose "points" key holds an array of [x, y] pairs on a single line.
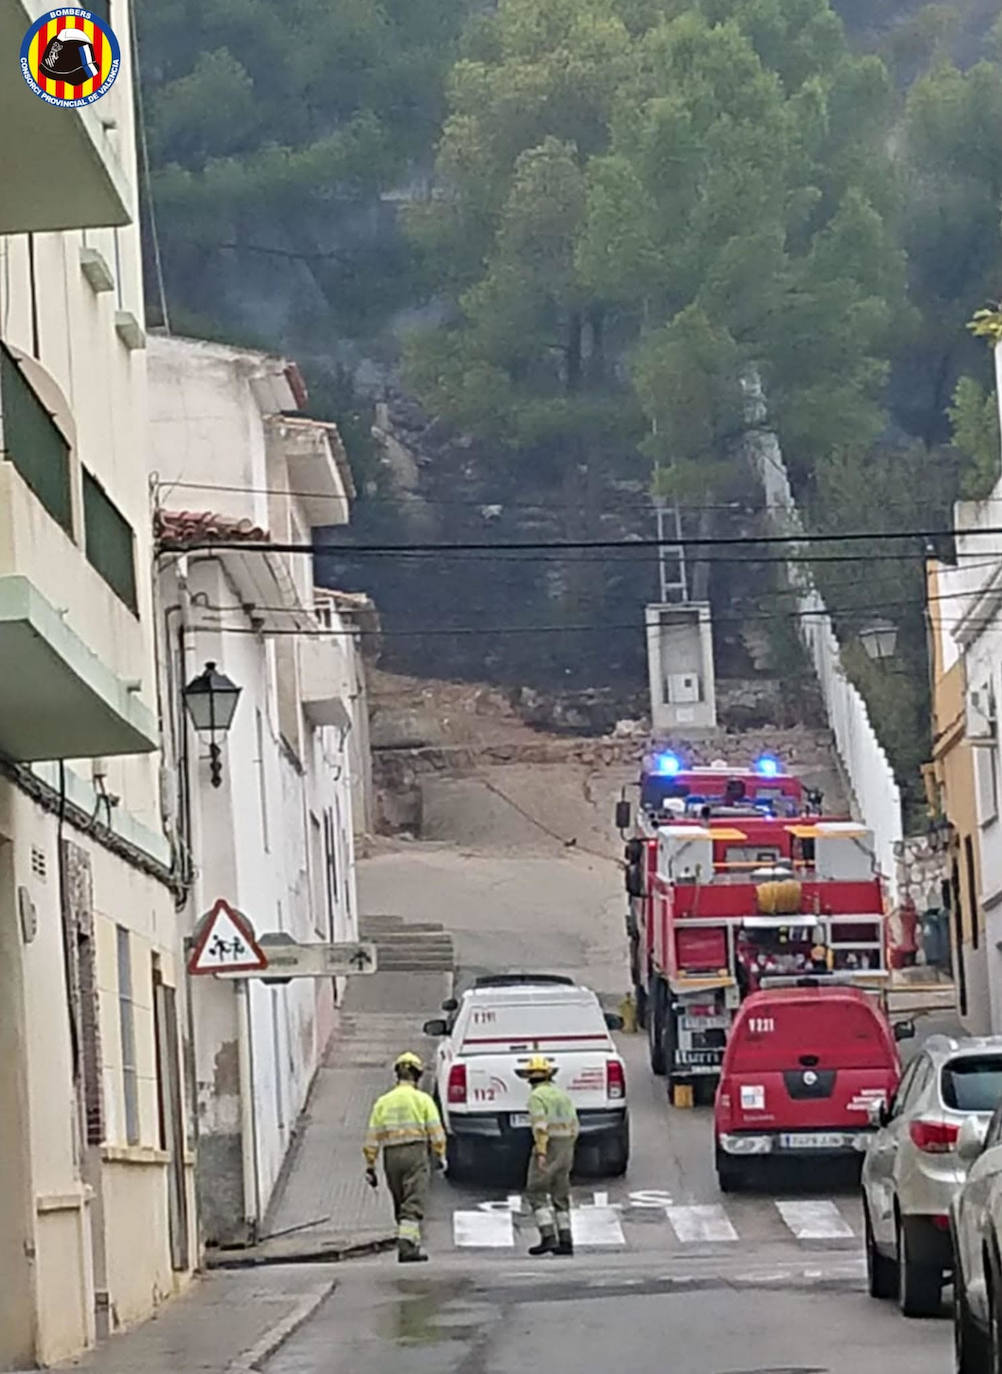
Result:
{"points": [[406, 1126], [554, 1136]]}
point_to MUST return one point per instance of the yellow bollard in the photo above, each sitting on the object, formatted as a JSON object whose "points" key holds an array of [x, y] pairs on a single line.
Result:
{"points": [[681, 1095], [628, 1013]]}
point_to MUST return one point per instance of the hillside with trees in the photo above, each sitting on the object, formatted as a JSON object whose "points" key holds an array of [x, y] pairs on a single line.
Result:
{"points": [[567, 229]]}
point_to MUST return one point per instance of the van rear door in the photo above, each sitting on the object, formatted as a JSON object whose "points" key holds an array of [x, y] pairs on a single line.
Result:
{"points": [[500, 1038], [808, 1063]]}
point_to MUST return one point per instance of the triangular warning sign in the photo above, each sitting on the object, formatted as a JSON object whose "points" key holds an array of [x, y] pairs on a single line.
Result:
{"points": [[226, 944]]}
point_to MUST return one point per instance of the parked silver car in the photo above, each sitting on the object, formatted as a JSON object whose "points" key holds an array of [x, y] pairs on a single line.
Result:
{"points": [[974, 1228], [912, 1172]]}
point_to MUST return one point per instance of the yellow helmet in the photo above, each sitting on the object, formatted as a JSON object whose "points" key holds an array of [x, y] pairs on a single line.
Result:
{"points": [[538, 1067], [409, 1060]]}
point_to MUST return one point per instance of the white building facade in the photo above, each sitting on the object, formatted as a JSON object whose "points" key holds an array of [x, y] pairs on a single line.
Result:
{"points": [[275, 839], [97, 1222], [969, 620]]}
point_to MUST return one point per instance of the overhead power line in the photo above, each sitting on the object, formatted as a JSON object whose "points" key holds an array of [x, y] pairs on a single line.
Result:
{"points": [[550, 545]]}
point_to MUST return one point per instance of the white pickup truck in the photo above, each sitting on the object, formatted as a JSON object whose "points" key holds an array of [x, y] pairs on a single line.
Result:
{"points": [[493, 1031]]}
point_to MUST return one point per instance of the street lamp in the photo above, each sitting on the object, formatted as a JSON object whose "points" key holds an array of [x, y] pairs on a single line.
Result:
{"points": [[879, 638], [211, 701]]}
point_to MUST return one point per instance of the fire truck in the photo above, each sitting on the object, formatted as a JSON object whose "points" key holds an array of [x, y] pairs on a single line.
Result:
{"points": [[735, 879]]}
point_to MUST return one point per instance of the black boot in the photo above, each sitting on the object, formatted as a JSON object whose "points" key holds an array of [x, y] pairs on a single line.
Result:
{"points": [[547, 1244], [565, 1244], [410, 1253]]}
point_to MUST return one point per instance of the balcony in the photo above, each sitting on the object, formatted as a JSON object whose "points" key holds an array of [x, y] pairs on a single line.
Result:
{"points": [[70, 639], [57, 699], [320, 683], [58, 167]]}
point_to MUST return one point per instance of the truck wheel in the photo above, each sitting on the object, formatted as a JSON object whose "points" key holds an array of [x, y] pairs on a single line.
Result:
{"points": [[731, 1176], [616, 1154], [669, 1038], [704, 1090], [461, 1159], [655, 1027], [640, 995]]}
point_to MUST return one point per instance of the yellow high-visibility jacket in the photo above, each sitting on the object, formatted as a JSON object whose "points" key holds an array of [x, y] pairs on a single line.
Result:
{"points": [[403, 1116], [552, 1114]]}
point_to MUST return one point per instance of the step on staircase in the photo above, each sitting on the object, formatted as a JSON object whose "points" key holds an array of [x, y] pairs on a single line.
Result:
{"points": [[409, 946]]}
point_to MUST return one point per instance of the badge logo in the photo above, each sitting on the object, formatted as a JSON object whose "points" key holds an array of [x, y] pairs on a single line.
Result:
{"points": [[70, 57]]}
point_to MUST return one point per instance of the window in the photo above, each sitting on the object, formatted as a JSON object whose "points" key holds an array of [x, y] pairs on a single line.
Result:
{"points": [[261, 780], [330, 869], [972, 890], [127, 1023], [904, 1092], [972, 1084], [318, 893], [987, 770], [34, 443], [109, 543]]}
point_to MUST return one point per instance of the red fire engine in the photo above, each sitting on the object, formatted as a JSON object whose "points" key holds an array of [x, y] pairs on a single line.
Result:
{"points": [[735, 879]]}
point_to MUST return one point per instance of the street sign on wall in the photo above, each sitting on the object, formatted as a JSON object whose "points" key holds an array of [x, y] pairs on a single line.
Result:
{"points": [[291, 960], [225, 942], [225, 945]]}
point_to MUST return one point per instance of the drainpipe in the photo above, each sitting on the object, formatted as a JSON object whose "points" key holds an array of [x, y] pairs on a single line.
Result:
{"points": [[245, 1071]]}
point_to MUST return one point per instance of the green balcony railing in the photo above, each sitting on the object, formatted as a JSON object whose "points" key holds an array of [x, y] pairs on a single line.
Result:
{"points": [[33, 442], [109, 542]]}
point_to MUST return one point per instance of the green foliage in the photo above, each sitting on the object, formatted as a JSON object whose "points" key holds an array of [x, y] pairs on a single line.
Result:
{"points": [[974, 419]]}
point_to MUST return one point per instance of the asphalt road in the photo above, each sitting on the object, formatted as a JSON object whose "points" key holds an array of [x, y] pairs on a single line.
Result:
{"points": [[669, 1275]]}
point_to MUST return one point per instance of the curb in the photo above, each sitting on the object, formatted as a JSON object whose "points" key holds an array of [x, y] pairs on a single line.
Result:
{"points": [[321, 1254], [276, 1337]]}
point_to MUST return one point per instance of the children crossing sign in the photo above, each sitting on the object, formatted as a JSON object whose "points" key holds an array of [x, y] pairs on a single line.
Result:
{"points": [[225, 943]]}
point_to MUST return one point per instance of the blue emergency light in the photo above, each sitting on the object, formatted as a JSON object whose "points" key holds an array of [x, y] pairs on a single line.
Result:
{"points": [[767, 767], [667, 764]]}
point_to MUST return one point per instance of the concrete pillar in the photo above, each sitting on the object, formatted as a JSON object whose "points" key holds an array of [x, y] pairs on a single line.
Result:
{"points": [[18, 1334]]}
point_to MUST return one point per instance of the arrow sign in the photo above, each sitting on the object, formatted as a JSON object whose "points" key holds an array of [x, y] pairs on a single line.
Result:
{"points": [[287, 959], [226, 944]]}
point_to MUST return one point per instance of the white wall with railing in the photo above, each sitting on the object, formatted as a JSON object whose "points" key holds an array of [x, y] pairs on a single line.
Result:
{"points": [[875, 793]]}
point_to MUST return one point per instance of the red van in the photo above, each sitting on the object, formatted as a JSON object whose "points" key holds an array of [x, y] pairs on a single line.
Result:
{"points": [[801, 1068]]}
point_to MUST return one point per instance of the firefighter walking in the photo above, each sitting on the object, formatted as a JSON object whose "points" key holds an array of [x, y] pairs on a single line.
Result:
{"points": [[554, 1136], [406, 1126]]}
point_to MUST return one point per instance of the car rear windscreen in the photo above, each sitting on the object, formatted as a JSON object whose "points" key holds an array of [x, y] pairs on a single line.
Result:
{"points": [[492, 1030], [972, 1084], [833, 1033]]}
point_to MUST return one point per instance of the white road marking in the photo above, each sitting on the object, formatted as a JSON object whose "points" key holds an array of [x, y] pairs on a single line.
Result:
{"points": [[814, 1220], [601, 1199], [706, 1222], [483, 1230], [596, 1226]]}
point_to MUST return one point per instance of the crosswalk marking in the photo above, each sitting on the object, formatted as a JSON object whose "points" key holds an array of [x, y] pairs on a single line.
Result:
{"points": [[596, 1226], [816, 1219], [701, 1222], [604, 1224], [486, 1230]]}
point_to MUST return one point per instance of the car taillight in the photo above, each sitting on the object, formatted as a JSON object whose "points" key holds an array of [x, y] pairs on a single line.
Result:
{"points": [[615, 1080], [934, 1137], [457, 1083]]}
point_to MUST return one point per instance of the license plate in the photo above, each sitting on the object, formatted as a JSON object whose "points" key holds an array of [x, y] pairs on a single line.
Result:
{"points": [[521, 1119], [818, 1141]]}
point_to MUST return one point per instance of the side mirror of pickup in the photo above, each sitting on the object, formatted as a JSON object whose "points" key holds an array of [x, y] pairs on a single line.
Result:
{"points": [[450, 1004], [622, 814], [878, 1113], [436, 1027], [613, 1021]]}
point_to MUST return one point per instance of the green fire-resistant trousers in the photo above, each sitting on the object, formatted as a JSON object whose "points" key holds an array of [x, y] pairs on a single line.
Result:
{"points": [[408, 1175], [548, 1186]]}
